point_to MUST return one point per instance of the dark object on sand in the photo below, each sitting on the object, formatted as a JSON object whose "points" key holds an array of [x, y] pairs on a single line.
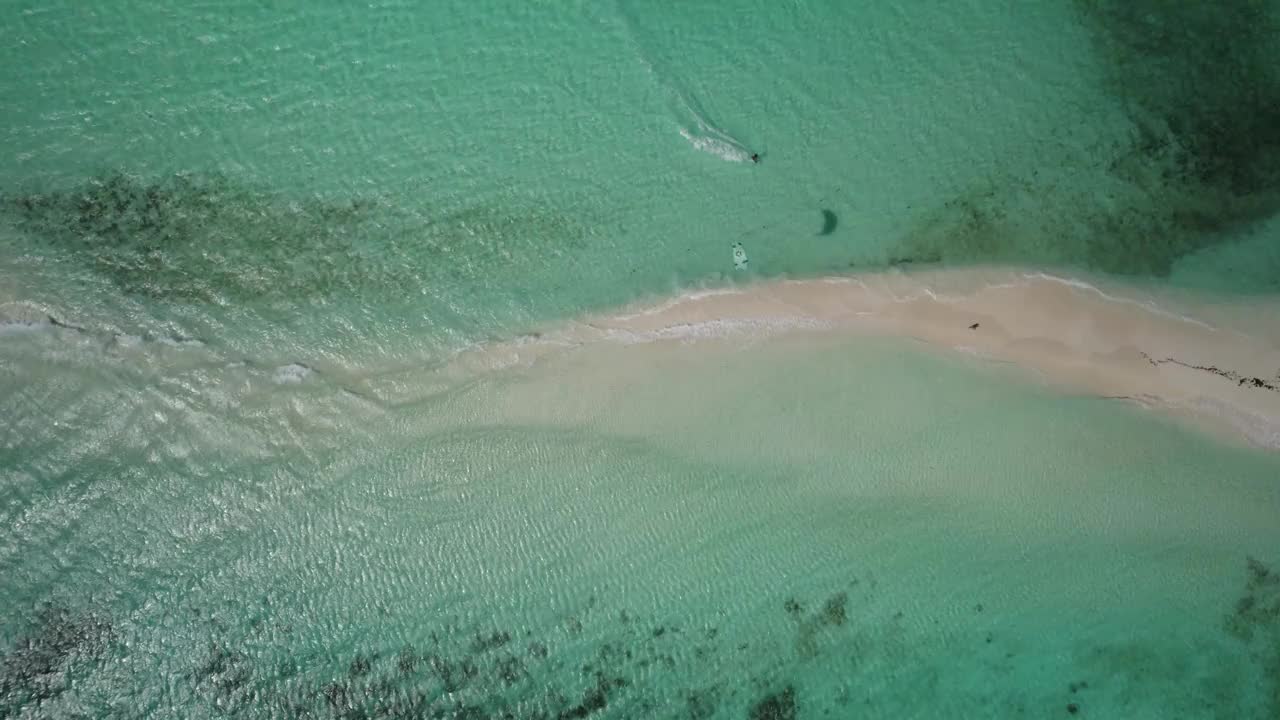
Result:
{"points": [[973, 326]]}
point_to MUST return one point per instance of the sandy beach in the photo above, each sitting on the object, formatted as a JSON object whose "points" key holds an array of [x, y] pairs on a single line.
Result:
{"points": [[1216, 365]]}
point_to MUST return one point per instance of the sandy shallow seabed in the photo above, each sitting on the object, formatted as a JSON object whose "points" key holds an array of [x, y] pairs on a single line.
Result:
{"points": [[1213, 363]]}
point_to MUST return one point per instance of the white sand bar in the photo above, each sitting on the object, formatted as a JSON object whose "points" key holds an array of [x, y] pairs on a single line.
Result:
{"points": [[1214, 362]]}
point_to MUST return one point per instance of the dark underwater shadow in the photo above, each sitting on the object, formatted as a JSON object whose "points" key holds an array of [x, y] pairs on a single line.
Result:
{"points": [[829, 222], [1198, 170]]}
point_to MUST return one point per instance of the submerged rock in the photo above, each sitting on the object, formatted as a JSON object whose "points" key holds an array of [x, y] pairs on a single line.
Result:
{"points": [[1258, 607], [34, 670], [833, 612], [777, 706]]}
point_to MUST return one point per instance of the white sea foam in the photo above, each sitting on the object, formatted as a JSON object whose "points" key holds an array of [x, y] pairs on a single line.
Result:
{"points": [[1260, 429], [752, 327], [701, 133], [181, 342], [16, 327], [18, 318], [691, 295], [711, 292], [1144, 304], [291, 374], [727, 150]]}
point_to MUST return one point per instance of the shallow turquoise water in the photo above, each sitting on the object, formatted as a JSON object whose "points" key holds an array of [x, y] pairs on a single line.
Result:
{"points": [[896, 548], [473, 168], [237, 242]]}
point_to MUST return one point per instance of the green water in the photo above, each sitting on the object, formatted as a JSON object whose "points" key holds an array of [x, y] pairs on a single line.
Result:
{"points": [[238, 243]]}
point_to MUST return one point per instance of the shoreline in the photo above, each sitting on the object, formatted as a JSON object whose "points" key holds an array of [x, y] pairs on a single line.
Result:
{"points": [[1211, 364]]}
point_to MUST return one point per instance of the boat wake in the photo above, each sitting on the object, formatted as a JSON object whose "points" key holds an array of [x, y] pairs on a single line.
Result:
{"points": [[693, 122], [728, 150]]}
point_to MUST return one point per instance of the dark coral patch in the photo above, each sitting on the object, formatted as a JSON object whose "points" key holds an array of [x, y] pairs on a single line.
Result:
{"points": [[776, 706], [833, 612]]}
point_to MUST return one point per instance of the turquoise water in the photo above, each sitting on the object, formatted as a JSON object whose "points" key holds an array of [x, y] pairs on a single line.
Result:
{"points": [[239, 243]]}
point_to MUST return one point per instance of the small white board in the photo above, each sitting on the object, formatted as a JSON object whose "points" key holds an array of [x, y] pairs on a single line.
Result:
{"points": [[739, 257]]}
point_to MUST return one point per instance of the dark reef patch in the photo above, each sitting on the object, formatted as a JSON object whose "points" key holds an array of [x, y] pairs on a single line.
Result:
{"points": [[1201, 85], [1233, 677], [198, 238], [1257, 611], [201, 238], [36, 669], [617, 664], [225, 674], [1199, 167], [702, 703], [594, 699], [359, 667], [833, 611], [483, 642], [965, 228], [1255, 621], [793, 607], [810, 629], [776, 706], [407, 660], [620, 668]]}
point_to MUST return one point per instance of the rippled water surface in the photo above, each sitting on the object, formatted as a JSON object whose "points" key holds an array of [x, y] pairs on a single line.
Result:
{"points": [[240, 477]]}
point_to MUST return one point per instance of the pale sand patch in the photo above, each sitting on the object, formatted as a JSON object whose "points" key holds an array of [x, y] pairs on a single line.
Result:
{"points": [[1217, 364]]}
